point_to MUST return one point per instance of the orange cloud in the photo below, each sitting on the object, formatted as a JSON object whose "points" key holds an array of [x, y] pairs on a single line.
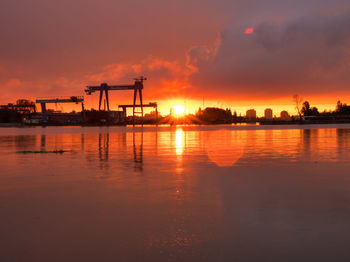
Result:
{"points": [[165, 78]]}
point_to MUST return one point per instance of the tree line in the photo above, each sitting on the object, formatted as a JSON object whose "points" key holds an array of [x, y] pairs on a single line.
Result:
{"points": [[341, 109]]}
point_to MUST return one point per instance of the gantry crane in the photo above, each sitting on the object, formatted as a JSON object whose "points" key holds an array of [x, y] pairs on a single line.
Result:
{"points": [[104, 87], [72, 99]]}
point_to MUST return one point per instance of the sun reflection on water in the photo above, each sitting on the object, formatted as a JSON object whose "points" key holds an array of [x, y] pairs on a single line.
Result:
{"points": [[179, 142]]}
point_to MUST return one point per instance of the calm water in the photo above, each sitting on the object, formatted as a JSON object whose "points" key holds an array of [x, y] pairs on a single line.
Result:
{"points": [[218, 193]]}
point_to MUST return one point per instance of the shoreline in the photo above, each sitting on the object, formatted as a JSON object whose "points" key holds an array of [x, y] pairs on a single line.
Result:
{"points": [[257, 123], [54, 130]]}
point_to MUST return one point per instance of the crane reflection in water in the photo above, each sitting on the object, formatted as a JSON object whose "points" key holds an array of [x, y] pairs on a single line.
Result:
{"points": [[137, 148], [137, 139]]}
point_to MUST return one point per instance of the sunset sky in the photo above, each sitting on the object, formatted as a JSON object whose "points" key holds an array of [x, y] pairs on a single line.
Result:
{"points": [[239, 54]]}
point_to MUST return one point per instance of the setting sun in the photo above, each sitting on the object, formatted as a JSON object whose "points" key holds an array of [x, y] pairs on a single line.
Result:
{"points": [[179, 109]]}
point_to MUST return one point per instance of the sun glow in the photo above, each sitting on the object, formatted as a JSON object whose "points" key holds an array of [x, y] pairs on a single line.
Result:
{"points": [[249, 31], [179, 110]]}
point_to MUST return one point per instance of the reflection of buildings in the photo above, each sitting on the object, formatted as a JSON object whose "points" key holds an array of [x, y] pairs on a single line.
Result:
{"points": [[343, 143], [268, 113], [251, 114]]}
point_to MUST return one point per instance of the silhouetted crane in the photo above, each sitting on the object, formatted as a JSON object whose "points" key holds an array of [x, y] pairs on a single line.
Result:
{"points": [[104, 87], [72, 99]]}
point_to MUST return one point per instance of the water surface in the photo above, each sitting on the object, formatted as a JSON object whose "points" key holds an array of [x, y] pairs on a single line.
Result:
{"points": [[185, 193]]}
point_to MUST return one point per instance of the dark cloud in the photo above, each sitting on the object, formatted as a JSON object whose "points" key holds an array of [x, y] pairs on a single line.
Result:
{"points": [[307, 55], [253, 12]]}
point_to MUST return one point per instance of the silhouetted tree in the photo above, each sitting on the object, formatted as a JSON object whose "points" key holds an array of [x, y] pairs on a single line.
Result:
{"points": [[342, 109], [298, 101], [308, 111], [305, 110], [314, 111]]}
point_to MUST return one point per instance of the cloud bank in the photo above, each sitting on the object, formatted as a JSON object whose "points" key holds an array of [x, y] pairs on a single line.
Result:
{"points": [[307, 55]]}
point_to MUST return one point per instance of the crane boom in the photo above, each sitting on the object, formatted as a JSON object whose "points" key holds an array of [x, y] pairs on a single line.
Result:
{"points": [[104, 86]]}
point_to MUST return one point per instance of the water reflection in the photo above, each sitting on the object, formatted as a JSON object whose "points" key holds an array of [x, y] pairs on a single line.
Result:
{"points": [[180, 145], [23, 142], [137, 139], [103, 150], [225, 148], [82, 142], [222, 147], [43, 142], [343, 143], [306, 136], [179, 141], [201, 190]]}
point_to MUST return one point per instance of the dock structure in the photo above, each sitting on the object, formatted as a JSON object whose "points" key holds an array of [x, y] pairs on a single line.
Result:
{"points": [[151, 104], [72, 99], [105, 88]]}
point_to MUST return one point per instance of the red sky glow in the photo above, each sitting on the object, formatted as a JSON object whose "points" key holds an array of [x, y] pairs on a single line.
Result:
{"points": [[188, 50]]}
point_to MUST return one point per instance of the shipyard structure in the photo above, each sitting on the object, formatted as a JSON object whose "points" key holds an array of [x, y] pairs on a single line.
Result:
{"points": [[26, 112]]}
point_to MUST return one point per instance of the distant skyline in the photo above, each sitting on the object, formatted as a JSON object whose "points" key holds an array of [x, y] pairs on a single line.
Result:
{"points": [[233, 53]]}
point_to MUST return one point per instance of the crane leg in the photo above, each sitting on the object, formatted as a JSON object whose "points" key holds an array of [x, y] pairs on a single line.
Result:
{"points": [[99, 104], [133, 109], [107, 99], [157, 114], [83, 112], [124, 112], [140, 94], [43, 112]]}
